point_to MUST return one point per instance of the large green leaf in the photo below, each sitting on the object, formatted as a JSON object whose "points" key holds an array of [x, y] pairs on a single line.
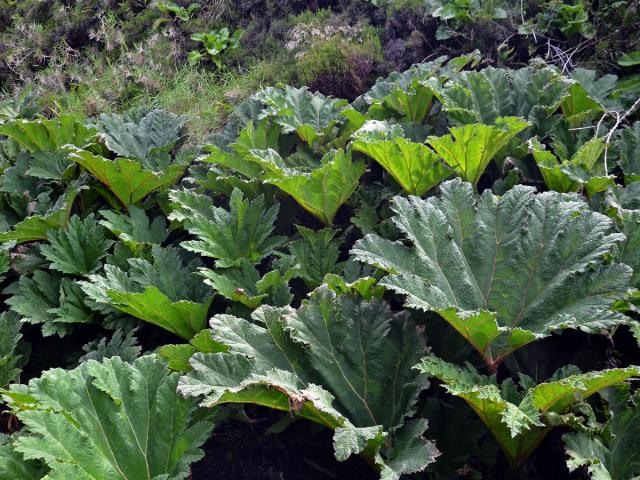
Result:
{"points": [[109, 420], [503, 271], [36, 227], [13, 466], [409, 95], [520, 427], [316, 254], [164, 291], [623, 205], [50, 300], [78, 247], [119, 345], [140, 134], [43, 135], [470, 148], [415, 167], [598, 91], [127, 179], [182, 317], [178, 355], [323, 190], [343, 363], [580, 171], [413, 102], [628, 252], [26, 104], [615, 453], [483, 97], [49, 165], [242, 232], [262, 136], [245, 285], [136, 230], [312, 116]]}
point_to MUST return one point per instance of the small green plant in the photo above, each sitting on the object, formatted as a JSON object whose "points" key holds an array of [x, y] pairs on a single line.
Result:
{"points": [[215, 43], [572, 20], [456, 13], [180, 12]]}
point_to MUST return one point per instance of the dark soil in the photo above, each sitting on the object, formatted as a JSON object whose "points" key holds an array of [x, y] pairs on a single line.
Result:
{"points": [[239, 451]]}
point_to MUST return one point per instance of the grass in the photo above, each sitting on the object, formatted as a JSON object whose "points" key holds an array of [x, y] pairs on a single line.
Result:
{"points": [[204, 95], [152, 72], [208, 97]]}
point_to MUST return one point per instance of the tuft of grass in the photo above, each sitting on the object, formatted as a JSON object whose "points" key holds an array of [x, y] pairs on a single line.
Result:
{"points": [[205, 97], [208, 97]]}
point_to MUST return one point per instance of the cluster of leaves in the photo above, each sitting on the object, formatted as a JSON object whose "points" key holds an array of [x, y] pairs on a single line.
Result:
{"points": [[553, 19], [215, 44], [325, 243], [545, 19]]}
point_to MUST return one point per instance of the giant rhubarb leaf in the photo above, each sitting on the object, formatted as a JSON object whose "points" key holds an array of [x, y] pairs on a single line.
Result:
{"points": [[628, 143], [109, 421], [50, 300], [589, 97], [570, 175], [139, 134], [316, 254], [415, 167], [43, 135], [469, 149], [127, 179], [77, 248], [483, 97], [614, 454], [343, 363], [410, 95], [312, 116], [13, 465], [262, 136], [164, 291], [136, 230], [26, 104], [503, 271], [244, 284], [36, 227], [320, 191], [629, 251], [242, 232], [518, 420]]}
